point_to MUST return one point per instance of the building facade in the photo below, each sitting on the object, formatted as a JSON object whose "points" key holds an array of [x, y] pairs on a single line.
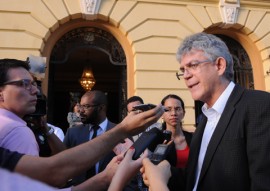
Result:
{"points": [[142, 36]]}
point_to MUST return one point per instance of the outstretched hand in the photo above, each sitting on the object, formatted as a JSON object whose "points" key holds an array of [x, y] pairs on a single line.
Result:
{"points": [[126, 170], [112, 167], [136, 122], [156, 177]]}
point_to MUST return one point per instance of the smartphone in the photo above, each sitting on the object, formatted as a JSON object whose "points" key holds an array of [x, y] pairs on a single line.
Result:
{"points": [[144, 107], [160, 153]]}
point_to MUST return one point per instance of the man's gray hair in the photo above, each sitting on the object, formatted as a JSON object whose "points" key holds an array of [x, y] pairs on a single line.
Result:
{"points": [[212, 46]]}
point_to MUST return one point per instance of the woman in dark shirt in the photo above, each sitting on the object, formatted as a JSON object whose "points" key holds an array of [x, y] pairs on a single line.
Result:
{"points": [[173, 122]]}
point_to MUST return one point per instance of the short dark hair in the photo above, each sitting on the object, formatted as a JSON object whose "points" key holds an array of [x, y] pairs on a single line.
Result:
{"points": [[6, 64], [73, 103], [133, 99], [99, 97]]}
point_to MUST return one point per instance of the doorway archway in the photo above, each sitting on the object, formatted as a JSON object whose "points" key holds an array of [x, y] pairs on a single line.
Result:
{"points": [[72, 52]]}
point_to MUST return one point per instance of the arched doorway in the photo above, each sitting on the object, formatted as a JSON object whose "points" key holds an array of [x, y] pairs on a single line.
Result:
{"points": [[76, 49]]}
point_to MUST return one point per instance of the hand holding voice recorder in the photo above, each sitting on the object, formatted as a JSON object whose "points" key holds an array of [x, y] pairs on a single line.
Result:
{"points": [[144, 107], [150, 140], [160, 153]]}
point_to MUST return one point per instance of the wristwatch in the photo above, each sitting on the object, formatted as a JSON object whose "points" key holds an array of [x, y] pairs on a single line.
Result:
{"points": [[50, 131]]}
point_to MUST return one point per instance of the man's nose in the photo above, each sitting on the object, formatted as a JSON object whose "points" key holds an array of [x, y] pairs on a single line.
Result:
{"points": [[35, 90]]}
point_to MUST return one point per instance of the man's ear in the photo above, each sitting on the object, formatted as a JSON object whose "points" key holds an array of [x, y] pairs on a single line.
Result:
{"points": [[221, 65], [100, 107]]}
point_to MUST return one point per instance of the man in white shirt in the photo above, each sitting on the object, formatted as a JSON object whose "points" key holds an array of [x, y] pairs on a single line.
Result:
{"points": [[57, 131], [230, 147]]}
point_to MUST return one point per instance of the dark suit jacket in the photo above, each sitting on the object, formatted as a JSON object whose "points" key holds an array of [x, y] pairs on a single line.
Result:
{"points": [[80, 134], [238, 154]]}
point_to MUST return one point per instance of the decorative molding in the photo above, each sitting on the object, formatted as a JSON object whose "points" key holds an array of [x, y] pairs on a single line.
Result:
{"points": [[88, 37], [90, 7], [229, 10]]}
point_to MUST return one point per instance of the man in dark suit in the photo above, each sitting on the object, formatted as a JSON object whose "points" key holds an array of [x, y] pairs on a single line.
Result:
{"points": [[230, 147], [93, 107]]}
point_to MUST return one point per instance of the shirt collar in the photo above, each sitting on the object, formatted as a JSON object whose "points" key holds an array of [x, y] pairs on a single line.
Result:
{"points": [[219, 105], [103, 125], [13, 116]]}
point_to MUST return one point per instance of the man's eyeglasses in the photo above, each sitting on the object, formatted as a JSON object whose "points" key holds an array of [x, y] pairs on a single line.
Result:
{"points": [[176, 109], [25, 83], [190, 68], [87, 106]]}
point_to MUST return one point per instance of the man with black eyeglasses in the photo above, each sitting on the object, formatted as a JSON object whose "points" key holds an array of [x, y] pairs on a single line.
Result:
{"points": [[93, 107], [18, 97]]}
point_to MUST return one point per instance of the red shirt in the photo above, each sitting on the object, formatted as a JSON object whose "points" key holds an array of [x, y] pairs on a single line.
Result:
{"points": [[182, 157]]}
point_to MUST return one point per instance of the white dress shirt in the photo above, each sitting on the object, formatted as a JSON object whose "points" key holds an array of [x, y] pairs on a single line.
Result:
{"points": [[57, 131], [213, 115]]}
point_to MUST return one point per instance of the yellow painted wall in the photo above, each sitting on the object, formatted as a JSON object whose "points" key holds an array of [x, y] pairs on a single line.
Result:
{"points": [[152, 29]]}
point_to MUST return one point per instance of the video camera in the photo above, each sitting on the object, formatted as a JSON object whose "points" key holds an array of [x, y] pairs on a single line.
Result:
{"points": [[37, 69], [41, 106], [33, 120]]}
